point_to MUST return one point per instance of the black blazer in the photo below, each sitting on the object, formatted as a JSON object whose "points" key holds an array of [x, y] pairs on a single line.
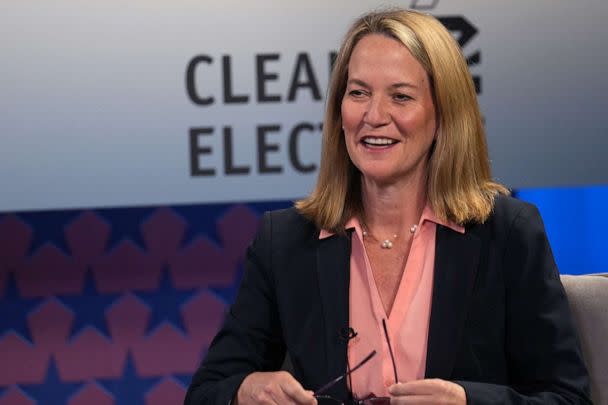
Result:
{"points": [[500, 323]]}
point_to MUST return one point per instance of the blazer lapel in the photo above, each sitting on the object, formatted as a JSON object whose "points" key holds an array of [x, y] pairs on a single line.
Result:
{"points": [[333, 264], [456, 261]]}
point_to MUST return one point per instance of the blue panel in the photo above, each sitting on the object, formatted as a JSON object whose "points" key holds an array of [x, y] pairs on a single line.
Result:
{"points": [[576, 220]]}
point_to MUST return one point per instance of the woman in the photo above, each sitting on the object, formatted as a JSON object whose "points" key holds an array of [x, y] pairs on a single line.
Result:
{"points": [[406, 254]]}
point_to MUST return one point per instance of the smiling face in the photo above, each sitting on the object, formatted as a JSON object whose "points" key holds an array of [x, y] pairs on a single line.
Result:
{"points": [[387, 111]]}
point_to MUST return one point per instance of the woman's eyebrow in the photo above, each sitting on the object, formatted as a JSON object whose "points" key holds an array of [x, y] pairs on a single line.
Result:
{"points": [[404, 84], [358, 82], [361, 83]]}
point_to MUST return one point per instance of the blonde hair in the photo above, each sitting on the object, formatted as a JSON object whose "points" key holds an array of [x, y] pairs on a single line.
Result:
{"points": [[459, 183]]}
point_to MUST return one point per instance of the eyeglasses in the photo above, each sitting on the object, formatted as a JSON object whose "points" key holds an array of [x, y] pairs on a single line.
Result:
{"points": [[372, 400]]}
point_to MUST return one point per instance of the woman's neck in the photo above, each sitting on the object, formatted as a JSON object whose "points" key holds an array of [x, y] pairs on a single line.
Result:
{"points": [[392, 208]]}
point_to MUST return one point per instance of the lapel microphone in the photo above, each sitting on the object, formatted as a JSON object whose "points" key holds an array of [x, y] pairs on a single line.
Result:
{"points": [[347, 333]]}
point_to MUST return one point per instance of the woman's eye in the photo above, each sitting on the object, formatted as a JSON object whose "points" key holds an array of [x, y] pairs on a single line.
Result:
{"points": [[356, 93], [401, 97]]}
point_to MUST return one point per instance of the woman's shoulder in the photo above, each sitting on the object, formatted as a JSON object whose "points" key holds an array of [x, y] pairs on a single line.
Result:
{"points": [[283, 235], [509, 207], [288, 223], [510, 215], [287, 217]]}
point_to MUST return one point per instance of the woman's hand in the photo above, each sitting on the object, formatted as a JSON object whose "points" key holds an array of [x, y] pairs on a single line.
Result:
{"points": [[273, 388], [431, 391]]}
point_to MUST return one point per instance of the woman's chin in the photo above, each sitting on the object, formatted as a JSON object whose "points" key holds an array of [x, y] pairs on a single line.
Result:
{"points": [[380, 178]]}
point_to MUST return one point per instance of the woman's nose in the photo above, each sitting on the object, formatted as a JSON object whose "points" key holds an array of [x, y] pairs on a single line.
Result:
{"points": [[377, 113]]}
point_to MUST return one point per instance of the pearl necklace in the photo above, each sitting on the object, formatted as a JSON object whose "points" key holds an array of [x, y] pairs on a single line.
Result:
{"points": [[387, 243]]}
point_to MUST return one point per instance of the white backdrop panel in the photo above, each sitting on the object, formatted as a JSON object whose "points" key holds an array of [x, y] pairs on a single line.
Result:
{"points": [[95, 112]]}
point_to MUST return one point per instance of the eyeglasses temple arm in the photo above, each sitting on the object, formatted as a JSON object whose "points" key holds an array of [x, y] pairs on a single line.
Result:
{"points": [[390, 350], [336, 380]]}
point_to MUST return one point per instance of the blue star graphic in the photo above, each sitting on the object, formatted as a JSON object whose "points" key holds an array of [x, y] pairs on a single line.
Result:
{"points": [[126, 224], [201, 221], [53, 390], [130, 389], [165, 303], [49, 226], [15, 309], [89, 307]]}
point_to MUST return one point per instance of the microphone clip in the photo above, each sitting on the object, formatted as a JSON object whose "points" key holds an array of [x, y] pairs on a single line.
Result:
{"points": [[347, 333]]}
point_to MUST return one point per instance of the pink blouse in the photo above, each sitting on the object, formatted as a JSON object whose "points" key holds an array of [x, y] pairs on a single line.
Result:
{"points": [[408, 323]]}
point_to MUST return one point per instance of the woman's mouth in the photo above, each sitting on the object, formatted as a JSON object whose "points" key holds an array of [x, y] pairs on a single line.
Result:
{"points": [[377, 142]]}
